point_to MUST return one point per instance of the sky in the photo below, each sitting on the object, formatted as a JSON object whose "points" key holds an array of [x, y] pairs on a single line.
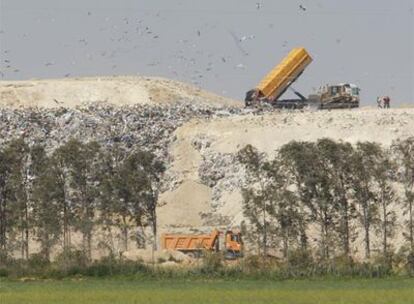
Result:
{"points": [[225, 46]]}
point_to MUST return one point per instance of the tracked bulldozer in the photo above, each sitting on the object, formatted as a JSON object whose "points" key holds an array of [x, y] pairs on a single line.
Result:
{"points": [[280, 79]]}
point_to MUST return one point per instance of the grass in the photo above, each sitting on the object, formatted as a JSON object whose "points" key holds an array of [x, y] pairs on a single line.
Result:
{"points": [[124, 290]]}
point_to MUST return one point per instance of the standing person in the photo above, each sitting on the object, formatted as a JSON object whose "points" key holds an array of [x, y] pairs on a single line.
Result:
{"points": [[379, 102], [387, 102]]}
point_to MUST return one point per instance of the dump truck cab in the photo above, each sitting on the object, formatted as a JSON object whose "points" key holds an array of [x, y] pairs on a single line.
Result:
{"points": [[233, 244]]}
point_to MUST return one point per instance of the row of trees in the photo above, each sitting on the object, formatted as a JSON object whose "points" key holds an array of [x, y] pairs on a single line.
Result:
{"points": [[343, 191], [46, 196]]}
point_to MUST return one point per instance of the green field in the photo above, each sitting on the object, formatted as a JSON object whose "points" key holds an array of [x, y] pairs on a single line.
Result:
{"points": [[113, 291]]}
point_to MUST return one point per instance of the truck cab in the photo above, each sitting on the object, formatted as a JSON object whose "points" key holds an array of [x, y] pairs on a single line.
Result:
{"points": [[233, 244]]}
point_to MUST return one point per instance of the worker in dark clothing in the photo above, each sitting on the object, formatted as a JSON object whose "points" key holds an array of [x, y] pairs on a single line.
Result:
{"points": [[387, 102]]}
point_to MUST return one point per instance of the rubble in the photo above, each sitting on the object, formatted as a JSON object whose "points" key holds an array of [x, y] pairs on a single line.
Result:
{"points": [[216, 166]]}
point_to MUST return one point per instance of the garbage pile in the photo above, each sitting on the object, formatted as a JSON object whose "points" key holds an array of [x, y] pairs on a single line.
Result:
{"points": [[142, 127]]}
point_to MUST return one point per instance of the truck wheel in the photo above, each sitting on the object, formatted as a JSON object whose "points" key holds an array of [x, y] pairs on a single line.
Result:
{"points": [[230, 255], [191, 255]]}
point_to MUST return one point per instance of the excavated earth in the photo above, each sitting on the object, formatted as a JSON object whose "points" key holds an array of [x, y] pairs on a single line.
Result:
{"points": [[197, 133]]}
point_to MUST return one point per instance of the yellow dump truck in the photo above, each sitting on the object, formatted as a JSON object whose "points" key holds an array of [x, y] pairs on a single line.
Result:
{"points": [[275, 83], [194, 245]]}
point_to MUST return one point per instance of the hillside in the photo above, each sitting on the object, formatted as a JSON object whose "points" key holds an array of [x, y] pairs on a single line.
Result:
{"points": [[117, 90]]}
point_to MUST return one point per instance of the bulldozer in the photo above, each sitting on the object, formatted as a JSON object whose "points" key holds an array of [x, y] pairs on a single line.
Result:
{"points": [[281, 78], [343, 95], [195, 245]]}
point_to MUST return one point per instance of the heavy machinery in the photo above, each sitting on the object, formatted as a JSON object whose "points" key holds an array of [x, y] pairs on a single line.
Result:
{"points": [[343, 95], [275, 84], [194, 245]]}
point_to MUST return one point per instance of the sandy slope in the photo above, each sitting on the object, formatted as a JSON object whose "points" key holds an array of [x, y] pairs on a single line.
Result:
{"points": [[121, 90]]}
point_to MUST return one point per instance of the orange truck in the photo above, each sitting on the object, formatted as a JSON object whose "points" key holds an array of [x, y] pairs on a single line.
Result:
{"points": [[194, 245]]}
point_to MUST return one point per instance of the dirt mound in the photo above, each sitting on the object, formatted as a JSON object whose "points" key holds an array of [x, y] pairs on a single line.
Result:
{"points": [[121, 90]]}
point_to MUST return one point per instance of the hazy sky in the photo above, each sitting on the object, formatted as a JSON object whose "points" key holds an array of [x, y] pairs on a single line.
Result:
{"points": [[225, 46]]}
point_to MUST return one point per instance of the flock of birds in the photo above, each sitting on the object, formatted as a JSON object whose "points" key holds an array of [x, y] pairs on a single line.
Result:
{"points": [[122, 34]]}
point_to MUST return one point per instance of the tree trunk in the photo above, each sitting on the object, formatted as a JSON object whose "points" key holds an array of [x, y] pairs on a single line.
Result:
{"points": [[154, 230], [66, 212], [27, 187], [66, 242], [366, 228], [87, 217], [303, 237], [86, 244], [25, 235], [3, 223], [26, 232], [323, 240], [286, 244], [125, 233], [46, 246], [86, 237], [89, 241], [346, 230], [264, 232], [327, 245], [411, 224], [325, 233], [111, 239], [385, 226], [22, 249], [65, 227]]}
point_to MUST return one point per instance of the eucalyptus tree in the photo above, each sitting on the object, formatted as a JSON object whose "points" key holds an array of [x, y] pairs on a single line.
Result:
{"points": [[17, 207], [404, 152], [46, 196], [20, 166], [256, 198], [151, 170], [61, 164], [337, 157], [311, 179], [5, 220], [83, 164], [386, 197], [364, 164], [129, 191]]}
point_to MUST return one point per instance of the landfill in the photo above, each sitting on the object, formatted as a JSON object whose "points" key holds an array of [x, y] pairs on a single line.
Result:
{"points": [[133, 127]]}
